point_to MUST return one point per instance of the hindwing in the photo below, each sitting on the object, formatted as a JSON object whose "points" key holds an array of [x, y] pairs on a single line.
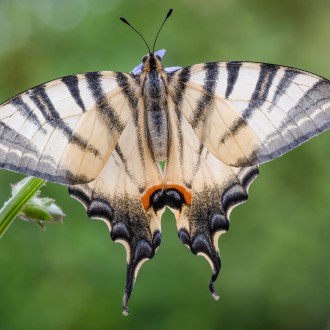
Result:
{"points": [[210, 189], [116, 196]]}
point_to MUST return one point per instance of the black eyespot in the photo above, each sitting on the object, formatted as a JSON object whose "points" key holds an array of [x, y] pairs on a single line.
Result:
{"points": [[144, 58]]}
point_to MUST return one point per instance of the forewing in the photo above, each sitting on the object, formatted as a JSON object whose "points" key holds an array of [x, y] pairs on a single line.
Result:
{"points": [[64, 130], [208, 187], [249, 113]]}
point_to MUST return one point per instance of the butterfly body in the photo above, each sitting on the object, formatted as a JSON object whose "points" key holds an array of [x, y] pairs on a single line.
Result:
{"points": [[154, 91]]}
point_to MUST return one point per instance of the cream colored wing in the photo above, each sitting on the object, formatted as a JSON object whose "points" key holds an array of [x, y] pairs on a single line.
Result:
{"points": [[249, 113], [64, 130], [206, 189], [120, 196]]}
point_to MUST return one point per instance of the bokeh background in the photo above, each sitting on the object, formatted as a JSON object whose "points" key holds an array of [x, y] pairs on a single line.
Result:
{"points": [[276, 263]]}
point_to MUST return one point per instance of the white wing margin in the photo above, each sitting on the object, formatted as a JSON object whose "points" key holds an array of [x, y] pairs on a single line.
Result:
{"points": [[64, 130], [249, 113]]}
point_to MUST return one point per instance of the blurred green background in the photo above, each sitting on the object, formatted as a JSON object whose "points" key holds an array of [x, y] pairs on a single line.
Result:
{"points": [[276, 264]]}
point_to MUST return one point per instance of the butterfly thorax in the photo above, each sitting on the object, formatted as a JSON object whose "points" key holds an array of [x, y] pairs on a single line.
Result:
{"points": [[154, 93]]}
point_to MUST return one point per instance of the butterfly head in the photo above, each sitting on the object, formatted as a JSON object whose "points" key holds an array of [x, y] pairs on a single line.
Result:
{"points": [[159, 56], [152, 63]]}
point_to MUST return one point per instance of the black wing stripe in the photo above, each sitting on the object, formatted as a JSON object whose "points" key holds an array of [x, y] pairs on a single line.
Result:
{"points": [[128, 172], [180, 87], [103, 104], [201, 148], [232, 75], [259, 96], [46, 106], [124, 84], [234, 129], [283, 85], [26, 112], [206, 99], [71, 83], [177, 97]]}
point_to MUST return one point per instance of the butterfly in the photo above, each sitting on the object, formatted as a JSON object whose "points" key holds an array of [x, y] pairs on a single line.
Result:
{"points": [[191, 139]]}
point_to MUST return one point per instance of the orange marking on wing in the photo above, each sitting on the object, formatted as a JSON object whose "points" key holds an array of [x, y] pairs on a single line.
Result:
{"points": [[145, 199]]}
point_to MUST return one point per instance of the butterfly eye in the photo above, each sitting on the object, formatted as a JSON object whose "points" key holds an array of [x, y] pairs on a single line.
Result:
{"points": [[144, 58], [158, 57]]}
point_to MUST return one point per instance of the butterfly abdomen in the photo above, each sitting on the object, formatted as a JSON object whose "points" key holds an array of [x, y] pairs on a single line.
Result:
{"points": [[155, 104]]}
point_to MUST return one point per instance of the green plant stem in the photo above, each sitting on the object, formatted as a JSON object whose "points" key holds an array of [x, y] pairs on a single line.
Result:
{"points": [[13, 206]]}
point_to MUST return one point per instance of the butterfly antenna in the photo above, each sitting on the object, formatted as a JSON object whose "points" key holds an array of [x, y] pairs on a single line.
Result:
{"points": [[123, 19], [167, 16]]}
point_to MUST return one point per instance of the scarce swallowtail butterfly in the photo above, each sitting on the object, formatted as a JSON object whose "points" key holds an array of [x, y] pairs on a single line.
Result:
{"points": [[190, 139]]}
